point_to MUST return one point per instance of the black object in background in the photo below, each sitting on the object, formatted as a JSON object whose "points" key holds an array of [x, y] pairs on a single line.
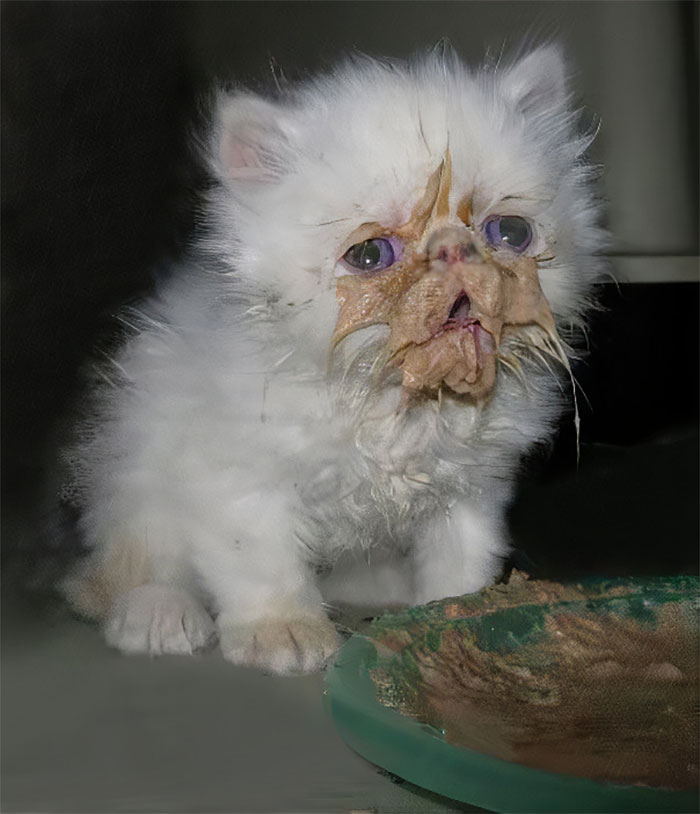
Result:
{"points": [[641, 373], [631, 507], [96, 102]]}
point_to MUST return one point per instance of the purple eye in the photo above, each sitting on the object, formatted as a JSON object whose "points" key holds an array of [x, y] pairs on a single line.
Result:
{"points": [[371, 255], [508, 230]]}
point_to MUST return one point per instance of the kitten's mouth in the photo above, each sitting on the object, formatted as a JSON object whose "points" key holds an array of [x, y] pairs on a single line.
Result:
{"points": [[459, 313], [459, 319], [459, 353]]}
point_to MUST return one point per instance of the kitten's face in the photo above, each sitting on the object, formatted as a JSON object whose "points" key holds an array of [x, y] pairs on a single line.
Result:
{"points": [[448, 289], [445, 205]]}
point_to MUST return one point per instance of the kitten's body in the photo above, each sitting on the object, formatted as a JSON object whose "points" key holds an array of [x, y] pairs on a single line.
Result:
{"points": [[227, 468]]}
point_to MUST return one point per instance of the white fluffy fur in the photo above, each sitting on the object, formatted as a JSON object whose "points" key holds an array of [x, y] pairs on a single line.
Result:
{"points": [[225, 469]]}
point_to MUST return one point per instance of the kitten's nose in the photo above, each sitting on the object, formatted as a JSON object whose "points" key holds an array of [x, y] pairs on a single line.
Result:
{"points": [[452, 244]]}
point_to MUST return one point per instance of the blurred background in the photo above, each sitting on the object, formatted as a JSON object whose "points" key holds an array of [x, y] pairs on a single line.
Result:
{"points": [[99, 186]]}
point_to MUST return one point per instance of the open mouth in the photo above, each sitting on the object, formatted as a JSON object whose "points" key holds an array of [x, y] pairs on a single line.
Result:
{"points": [[459, 313], [459, 319]]}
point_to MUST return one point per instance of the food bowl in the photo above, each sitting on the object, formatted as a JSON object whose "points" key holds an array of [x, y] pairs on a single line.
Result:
{"points": [[533, 696]]}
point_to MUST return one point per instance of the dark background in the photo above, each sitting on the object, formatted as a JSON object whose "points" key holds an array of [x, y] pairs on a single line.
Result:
{"points": [[98, 186]]}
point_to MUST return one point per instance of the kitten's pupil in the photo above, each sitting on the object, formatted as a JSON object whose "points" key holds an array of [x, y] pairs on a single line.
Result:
{"points": [[370, 255], [367, 254], [515, 231], [508, 230]]}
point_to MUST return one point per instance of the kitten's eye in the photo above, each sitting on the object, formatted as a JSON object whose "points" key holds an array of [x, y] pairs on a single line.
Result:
{"points": [[508, 230], [371, 255]]}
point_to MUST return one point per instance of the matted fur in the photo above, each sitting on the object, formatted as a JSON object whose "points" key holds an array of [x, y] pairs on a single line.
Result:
{"points": [[227, 458]]}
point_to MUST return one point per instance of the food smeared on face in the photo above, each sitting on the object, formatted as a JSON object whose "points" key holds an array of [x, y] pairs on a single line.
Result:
{"points": [[448, 291]]}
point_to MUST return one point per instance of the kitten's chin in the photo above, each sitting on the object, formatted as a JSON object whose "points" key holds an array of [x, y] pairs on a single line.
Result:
{"points": [[461, 358]]}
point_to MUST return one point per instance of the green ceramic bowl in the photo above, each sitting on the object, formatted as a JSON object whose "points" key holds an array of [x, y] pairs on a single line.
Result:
{"points": [[385, 696]]}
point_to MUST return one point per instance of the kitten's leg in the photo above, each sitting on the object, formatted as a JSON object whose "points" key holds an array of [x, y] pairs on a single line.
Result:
{"points": [[157, 619], [270, 608], [288, 643], [458, 552], [139, 600], [280, 627], [282, 630]]}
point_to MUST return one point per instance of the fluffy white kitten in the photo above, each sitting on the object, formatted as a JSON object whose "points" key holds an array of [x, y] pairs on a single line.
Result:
{"points": [[329, 398]]}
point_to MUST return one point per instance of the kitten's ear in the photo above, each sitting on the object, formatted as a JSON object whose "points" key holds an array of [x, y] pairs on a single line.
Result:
{"points": [[537, 83], [251, 138]]}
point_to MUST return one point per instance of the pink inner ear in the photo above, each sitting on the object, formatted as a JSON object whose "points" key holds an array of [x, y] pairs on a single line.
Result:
{"points": [[239, 160]]}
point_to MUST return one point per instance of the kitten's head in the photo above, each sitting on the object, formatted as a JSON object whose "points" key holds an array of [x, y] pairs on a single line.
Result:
{"points": [[451, 207]]}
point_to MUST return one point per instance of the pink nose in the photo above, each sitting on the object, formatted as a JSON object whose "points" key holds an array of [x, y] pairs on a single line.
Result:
{"points": [[452, 244]]}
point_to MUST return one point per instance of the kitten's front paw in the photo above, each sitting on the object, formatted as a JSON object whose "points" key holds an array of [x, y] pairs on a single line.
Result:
{"points": [[283, 646], [158, 619]]}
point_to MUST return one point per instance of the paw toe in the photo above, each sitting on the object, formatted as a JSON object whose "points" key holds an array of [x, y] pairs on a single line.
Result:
{"points": [[281, 646], [158, 619]]}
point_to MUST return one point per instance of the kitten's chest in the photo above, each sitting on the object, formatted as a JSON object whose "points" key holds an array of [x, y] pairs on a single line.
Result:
{"points": [[357, 480], [340, 510], [368, 486]]}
